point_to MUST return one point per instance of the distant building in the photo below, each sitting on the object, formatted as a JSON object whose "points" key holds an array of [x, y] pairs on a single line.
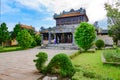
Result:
{"points": [[27, 27], [14, 41], [103, 34], [71, 17], [66, 23]]}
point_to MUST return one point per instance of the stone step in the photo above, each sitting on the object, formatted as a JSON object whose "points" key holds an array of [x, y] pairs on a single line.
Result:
{"points": [[50, 78], [54, 78], [61, 46]]}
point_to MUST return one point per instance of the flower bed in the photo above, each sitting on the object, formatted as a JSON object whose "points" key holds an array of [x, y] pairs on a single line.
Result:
{"points": [[111, 57]]}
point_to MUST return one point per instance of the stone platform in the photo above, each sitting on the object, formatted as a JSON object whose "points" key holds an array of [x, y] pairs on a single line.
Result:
{"points": [[66, 46]]}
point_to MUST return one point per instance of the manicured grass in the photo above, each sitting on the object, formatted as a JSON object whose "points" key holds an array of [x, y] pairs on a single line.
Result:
{"points": [[92, 62], [7, 49]]}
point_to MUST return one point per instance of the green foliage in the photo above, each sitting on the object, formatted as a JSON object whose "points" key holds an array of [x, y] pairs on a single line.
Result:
{"points": [[89, 74], [31, 31], [83, 74], [114, 31], [16, 30], [24, 39], [61, 64], [112, 55], [8, 49], [38, 39], [33, 43], [99, 44], [85, 35], [113, 14], [92, 63], [1, 47], [42, 57], [4, 34]]}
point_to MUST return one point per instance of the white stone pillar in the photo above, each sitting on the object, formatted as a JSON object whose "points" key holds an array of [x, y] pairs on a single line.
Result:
{"points": [[73, 40], [49, 37]]}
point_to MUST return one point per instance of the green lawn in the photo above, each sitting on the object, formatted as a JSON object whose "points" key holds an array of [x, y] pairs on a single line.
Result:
{"points": [[92, 62], [7, 49]]}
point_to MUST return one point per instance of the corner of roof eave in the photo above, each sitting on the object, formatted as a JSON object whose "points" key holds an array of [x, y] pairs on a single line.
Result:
{"points": [[87, 17]]}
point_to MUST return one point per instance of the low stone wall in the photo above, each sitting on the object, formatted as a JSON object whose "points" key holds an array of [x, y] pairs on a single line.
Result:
{"points": [[106, 38], [106, 62]]}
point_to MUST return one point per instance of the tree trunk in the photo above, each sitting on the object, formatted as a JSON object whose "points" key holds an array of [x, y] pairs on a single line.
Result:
{"points": [[116, 42], [2, 44]]}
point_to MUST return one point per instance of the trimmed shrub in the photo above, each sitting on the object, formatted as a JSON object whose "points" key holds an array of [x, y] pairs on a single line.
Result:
{"points": [[38, 40], [62, 65], [89, 74], [40, 61], [99, 44], [24, 39], [85, 35], [34, 43]]}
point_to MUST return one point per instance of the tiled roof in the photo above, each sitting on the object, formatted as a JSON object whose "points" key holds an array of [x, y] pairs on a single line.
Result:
{"points": [[70, 14], [26, 26]]}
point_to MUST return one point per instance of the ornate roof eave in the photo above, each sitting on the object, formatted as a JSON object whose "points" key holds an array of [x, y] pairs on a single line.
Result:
{"points": [[86, 17], [81, 11], [68, 16], [58, 30], [58, 17]]}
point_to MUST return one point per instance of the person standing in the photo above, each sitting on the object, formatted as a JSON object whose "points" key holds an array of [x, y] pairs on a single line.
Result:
{"points": [[54, 41]]}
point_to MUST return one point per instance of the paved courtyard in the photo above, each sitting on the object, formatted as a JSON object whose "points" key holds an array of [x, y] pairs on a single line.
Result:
{"points": [[19, 65]]}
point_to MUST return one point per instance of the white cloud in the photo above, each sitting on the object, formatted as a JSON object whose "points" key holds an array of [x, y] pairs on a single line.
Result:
{"points": [[95, 8], [30, 4], [5, 8], [10, 26], [47, 19]]}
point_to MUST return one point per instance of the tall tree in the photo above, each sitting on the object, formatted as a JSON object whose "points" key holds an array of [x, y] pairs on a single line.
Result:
{"points": [[38, 39], [16, 29], [113, 14], [4, 34], [24, 39], [32, 32]]}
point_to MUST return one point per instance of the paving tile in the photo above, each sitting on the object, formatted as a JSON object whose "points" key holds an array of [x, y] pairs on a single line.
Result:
{"points": [[19, 65]]}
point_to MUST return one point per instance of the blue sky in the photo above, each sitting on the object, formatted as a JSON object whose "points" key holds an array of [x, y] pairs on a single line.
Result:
{"points": [[40, 12]]}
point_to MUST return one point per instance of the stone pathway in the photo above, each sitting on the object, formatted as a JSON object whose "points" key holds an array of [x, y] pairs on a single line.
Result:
{"points": [[19, 65]]}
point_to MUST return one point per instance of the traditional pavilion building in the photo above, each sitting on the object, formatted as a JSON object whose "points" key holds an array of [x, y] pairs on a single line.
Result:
{"points": [[66, 23]]}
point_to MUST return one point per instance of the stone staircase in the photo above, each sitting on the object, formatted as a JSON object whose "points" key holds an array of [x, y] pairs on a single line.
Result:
{"points": [[66, 46]]}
